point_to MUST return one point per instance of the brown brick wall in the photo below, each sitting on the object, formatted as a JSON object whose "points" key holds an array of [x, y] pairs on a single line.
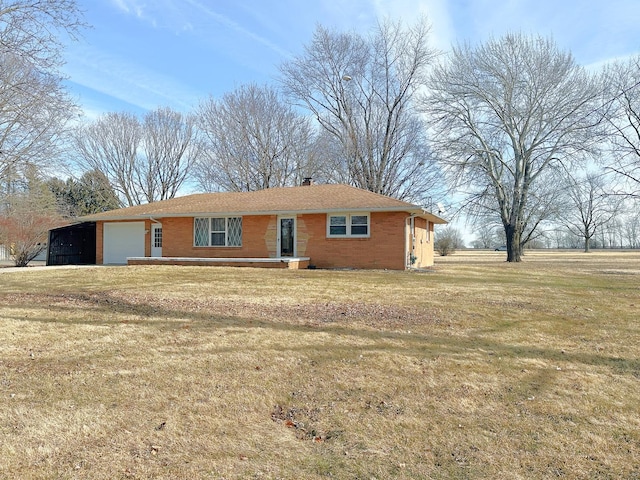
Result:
{"points": [[385, 248], [99, 243], [177, 239]]}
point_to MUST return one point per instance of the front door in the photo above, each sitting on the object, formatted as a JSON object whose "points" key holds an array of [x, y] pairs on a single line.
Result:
{"points": [[287, 236], [156, 240]]}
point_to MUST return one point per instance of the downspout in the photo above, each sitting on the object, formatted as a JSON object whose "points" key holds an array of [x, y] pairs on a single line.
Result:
{"points": [[154, 221], [151, 239], [48, 247], [408, 249]]}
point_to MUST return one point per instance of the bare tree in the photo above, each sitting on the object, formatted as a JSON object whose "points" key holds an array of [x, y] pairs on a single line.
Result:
{"points": [[507, 115], [624, 119], [254, 141], [632, 226], [486, 236], [611, 234], [362, 92], [110, 145], [171, 146], [447, 240], [34, 107], [34, 111], [26, 216], [331, 164], [32, 30], [144, 161], [590, 208]]}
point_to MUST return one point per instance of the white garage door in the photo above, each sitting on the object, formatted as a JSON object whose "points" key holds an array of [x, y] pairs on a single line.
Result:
{"points": [[122, 240]]}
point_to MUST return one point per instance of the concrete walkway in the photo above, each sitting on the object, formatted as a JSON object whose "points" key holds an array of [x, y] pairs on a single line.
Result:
{"points": [[7, 267]]}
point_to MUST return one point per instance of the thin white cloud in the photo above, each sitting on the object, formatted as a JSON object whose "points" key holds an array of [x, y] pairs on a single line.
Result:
{"points": [[122, 5], [255, 36], [173, 15], [164, 14], [130, 7], [237, 28], [593, 31], [124, 81]]}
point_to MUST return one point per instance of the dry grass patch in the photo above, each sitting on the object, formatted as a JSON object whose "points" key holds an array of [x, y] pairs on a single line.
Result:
{"points": [[478, 369]]}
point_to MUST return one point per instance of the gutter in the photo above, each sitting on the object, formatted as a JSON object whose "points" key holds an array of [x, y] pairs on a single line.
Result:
{"points": [[152, 216]]}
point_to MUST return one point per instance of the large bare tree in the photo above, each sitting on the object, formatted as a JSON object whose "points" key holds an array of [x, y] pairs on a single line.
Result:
{"points": [[171, 147], [508, 117], [34, 107], [362, 91], [624, 120], [254, 140], [34, 112], [111, 145], [145, 161]]}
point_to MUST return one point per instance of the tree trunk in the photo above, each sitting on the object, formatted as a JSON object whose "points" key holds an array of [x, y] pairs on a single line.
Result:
{"points": [[514, 253], [587, 242]]}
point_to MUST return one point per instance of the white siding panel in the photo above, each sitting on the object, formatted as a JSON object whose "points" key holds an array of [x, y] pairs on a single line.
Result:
{"points": [[122, 240]]}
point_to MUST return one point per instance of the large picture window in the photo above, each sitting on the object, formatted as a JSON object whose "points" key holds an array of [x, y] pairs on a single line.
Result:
{"points": [[217, 232], [348, 225]]}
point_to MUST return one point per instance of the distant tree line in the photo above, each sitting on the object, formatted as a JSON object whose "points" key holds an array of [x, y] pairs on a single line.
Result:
{"points": [[526, 140]]}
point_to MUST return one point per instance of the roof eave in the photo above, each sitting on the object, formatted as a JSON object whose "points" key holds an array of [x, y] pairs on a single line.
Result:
{"points": [[411, 209], [432, 218]]}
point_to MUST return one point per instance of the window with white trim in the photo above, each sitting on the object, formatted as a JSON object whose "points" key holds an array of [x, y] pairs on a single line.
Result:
{"points": [[348, 225], [217, 232]]}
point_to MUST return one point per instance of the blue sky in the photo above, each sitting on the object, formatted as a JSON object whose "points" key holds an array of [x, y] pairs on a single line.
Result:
{"points": [[142, 54]]}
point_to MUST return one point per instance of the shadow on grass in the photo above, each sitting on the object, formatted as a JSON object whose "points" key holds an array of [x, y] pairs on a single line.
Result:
{"points": [[103, 309]]}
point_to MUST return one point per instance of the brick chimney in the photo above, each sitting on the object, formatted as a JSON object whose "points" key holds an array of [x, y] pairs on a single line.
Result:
{"points": [[308, 181]]}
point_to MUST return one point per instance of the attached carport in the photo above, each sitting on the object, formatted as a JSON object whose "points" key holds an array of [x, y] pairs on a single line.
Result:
{"points": [[122, 240], [72, 245]]}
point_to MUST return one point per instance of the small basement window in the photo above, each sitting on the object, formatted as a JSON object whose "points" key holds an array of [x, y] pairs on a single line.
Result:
{"points": [[348, 225], [217, 232]]}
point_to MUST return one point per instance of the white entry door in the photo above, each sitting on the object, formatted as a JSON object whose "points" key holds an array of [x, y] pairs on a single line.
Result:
{"points": [[156, 240]]}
